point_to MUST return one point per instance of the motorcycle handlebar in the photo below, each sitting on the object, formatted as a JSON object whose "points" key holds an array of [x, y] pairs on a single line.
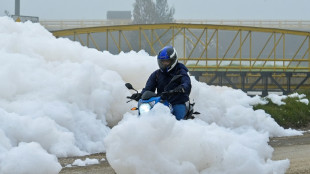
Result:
{"points": [[167, 92], [163, 94]]}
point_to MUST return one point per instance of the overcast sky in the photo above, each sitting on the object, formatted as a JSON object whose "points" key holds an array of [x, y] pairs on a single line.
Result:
{"points": [[185, 9]]}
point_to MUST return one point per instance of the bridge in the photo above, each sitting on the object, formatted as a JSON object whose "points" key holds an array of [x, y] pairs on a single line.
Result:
{"points": [[302, 25], [243, 57]]}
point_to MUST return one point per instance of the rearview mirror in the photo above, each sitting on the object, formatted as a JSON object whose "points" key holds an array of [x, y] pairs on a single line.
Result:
{"points": [[129, 86]]}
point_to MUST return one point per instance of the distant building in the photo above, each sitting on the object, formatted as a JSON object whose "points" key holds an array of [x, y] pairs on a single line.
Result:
{"points": [[119, 15], [19, 18]]}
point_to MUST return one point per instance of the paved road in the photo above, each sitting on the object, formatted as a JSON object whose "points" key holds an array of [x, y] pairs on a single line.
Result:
{"points": [[295, 148]]}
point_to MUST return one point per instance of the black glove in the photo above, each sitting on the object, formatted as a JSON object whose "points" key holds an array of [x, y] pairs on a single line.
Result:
{"points": [[136, 96], [179, 89]]}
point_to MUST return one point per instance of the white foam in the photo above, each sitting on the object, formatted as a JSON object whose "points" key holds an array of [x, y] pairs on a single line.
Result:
{"points": [[58, 98]]}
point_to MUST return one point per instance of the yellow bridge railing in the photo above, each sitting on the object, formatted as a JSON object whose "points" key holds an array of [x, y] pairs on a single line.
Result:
{"points": [[205, 47]]}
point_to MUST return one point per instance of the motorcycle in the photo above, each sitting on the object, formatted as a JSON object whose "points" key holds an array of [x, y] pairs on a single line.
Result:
{"points": [[149, 99]]}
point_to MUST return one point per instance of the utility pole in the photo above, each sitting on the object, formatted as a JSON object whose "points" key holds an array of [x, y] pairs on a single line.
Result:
{"points": [[17, 7]]}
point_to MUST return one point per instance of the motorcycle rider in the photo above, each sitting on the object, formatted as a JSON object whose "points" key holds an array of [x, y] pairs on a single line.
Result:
{"points": [[169, 67]]}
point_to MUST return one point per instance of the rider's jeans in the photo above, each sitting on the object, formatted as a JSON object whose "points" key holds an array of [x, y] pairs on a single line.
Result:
{"points": [[179, 110]]}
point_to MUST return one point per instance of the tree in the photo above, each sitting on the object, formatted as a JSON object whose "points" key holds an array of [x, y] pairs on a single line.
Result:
{"points": [[148, 12], [7, 13], [144, 12], [164, 14]]}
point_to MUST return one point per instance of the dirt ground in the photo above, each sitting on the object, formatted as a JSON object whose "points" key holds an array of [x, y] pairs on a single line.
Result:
{"points": [[294, 148], [102, 168]]}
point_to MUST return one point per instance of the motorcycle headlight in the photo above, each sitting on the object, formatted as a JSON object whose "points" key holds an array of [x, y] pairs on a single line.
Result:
{"points": [[145, 107]]}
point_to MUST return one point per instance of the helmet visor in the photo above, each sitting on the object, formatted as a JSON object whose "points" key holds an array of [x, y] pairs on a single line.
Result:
{"points": [[164, 63]]}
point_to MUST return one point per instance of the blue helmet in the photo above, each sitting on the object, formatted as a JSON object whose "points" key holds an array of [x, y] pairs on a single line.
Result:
{"points": [[167, 58]]}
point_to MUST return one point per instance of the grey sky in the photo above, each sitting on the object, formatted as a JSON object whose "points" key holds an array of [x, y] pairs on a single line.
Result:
{"points": [[185, 9]]}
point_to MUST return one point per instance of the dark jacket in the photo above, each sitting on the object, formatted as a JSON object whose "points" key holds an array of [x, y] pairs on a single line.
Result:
{"points": [[158, 80]]}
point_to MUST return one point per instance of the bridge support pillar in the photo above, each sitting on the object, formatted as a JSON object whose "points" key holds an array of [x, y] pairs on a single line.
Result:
{"points": [[196, 74], [220, 76], [288, 81], [265, 76], [243, 75]]}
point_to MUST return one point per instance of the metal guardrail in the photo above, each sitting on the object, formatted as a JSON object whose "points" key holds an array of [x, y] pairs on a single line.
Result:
{"points": [[303, 25], [53, 25]]}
